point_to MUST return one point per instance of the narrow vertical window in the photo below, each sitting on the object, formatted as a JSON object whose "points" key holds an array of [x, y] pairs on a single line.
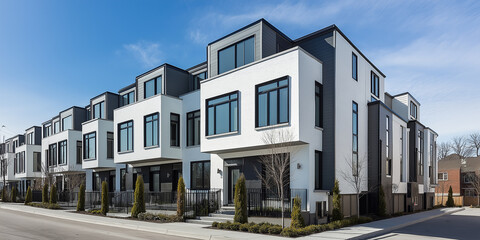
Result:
{"points": [[125, 136], [52, 154], [354, 66], [62, 152], [318, 104], [388, 163], [354, 138], [151, 130], [318, 170], [89, 141], [98, 110], [374, 85], [193, 128], [174, 130], [79, 152], [109, 145], [413, 110], [402, 153]]}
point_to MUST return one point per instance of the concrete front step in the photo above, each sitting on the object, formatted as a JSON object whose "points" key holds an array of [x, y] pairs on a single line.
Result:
{"points": [[219, 215]]}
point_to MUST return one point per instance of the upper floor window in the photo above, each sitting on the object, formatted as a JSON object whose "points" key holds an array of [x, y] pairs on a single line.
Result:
{"points": [[90, 146], [151, 130], [56, 127], [37, 161], [174, 130], [354, 66], [47, 130], [127, 98], [354, 138], [222, 114], [197, 78], [67, 123], [469, 177], [387, 137], [79, 152], [125, 133], [272, 102], [193, 128], [402, 153], [421, 151], [443, 176], [110, 145], [318, 170], [62, 152], [236, 55], [374, 85], [89, 113], [318, 105], [413, 109], [98, 110], [30, 138], [52, 154], [153, 87]]}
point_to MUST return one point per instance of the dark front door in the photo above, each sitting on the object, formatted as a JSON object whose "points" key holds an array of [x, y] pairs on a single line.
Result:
{"points": [[233, 175]]}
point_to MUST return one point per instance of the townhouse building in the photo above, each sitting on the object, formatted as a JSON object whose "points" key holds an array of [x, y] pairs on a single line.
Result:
{"points": [[28, 158], [7, 168], [318, 97]]}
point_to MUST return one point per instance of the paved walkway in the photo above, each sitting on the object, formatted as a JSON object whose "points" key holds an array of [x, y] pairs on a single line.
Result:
{"points": [[201, 232]]}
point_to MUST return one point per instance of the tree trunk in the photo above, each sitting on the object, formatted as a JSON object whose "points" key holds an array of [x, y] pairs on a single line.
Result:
{"points": [[283, 207], [358, 205]]}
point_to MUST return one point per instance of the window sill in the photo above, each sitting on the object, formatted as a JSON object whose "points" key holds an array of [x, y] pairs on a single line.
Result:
{"points": [[272, 126], [320, 191], [124, 152], [192, 146], [177, 147], [389, 176], [150, 147], [221, 135], [319, 128], [89, 159]]}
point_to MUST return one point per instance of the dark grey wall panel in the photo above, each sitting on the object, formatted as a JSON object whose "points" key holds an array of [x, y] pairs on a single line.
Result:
{"points": [[79, 116], [38, 136], [269, 41], [176, 82], [322, 48], [111, 103]]}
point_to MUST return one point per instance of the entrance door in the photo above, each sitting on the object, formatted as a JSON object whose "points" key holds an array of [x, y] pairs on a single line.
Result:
{"points": [[233, 175]]}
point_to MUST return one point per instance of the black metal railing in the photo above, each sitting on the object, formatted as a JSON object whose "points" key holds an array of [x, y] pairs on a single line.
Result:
{"points": [[201, 202], [262, 202]]}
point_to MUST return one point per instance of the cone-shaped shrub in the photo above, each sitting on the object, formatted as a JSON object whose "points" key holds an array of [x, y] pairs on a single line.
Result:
{"points": [[382, 206], [180, 197], [240, 199], [337, 207], [104, 208], [14, 194], [4, 194], [53, 194], [297, 218], [45, 193], [139, 204], [28, 197], [81, 199], [450, 202]]}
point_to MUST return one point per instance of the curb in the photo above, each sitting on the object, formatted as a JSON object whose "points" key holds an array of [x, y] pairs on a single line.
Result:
{"points": [[387, 230]]}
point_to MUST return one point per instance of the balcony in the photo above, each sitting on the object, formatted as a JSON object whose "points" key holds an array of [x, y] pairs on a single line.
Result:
{"points": [[137, 151], [102, 129], [298, 67]]}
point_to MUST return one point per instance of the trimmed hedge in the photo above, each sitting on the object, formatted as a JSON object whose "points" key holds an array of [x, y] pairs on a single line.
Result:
{"points": [[28, 197], [45, 205], [241, 214], [4, 194], [273, 229], [164, 218], [53, 194], [139, 204], [13, 195], [180, 198], [81, 199], [104, 198], [45, 193]]}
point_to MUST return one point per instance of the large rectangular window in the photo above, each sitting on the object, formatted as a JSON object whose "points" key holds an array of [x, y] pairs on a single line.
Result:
{"points": [[272, 103], [200, 175], [151, 130], [196, 80], [37, 161], [318, 170], [52, 154], [174, 130], [236, 55], [193, 128], [30, 138], [354, 66], [62, 152], [413, 109], [79, 152], [125, 136], [56, 127], [222, 114], [47, 130], [110, 145], [153, 87], [127, 98], [98, 110], [354, 138], [374, 84], [67, 123], [19, 165], [90, 146], [318, 104]]}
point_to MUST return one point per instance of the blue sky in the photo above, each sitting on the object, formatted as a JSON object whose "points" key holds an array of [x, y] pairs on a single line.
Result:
{"points": [[57, 54]]}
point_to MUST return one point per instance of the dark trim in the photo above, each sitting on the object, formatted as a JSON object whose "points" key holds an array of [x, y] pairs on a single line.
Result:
{"points": [[154, 69], [277, 89], [177, 131], [356, 66], [330, 28], [113, 144], [145, 129], [133, 85], [196, 66], [101, 94], [318, 170], [389, 109], [401, 94], [66, 153], [215, 111]]}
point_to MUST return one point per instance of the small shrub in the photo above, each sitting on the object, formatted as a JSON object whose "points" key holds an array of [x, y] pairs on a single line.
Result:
{"points": [[81, 199], [297, 218], [253, 228], [28, 197], [164, 218], [53, 194], [240, 199], [275, 229], [180, 197], [289, 232], [264, 228], [13, 195], [382, 206], [139, 204], [45, 205], [214, 224], [4, 194], [244, 227], [450, 202], [104, 198], [45, 194], [234, 226], [337, 208]]}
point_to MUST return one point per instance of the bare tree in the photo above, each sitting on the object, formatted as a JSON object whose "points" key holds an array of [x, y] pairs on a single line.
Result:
{"points": [[475, 182], [441, 188], [474, 140], [73, 181], [444, 150], [461, 147], [4, 163], [47, 173], [276, 164]]}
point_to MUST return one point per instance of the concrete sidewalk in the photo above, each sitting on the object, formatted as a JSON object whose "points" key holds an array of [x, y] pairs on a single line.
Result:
{"points": [[201, 232]]}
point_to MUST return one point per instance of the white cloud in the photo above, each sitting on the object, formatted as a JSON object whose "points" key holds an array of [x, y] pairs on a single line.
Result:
{"points": [[147, 53]]}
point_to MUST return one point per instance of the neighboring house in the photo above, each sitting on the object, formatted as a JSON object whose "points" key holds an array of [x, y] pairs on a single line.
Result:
{"points": [[207, 123], [28, 158], [7, 168]]}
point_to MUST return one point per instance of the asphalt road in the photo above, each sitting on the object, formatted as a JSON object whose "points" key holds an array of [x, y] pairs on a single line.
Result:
{"points": [[18, 225], [460, 225]]}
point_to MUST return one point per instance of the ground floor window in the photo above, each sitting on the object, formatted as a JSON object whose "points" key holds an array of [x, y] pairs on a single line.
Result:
{"points": [[200, 175]]}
